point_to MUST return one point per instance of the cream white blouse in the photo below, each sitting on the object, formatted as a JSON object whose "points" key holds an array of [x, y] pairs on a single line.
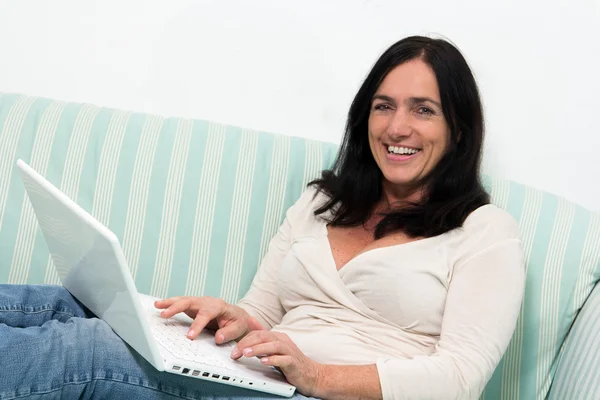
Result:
{"points": [[435, 315]]}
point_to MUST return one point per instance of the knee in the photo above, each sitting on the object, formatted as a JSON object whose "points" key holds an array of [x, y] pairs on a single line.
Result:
{"points": [[63, 301]]}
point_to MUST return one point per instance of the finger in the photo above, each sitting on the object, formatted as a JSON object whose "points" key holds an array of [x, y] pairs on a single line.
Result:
{"points": [[164, 303], [252, 339], [283, 363], [230, 332], [177, 307], [255, 337], [254, 325], [202, 319], [266, 349], [237, 330]]}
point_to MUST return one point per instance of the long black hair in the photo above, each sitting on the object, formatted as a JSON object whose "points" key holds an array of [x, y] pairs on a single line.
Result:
{"points": [[453, 187]]}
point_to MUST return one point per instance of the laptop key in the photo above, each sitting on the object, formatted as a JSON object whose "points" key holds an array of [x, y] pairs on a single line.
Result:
{"points": [[169, 333]]}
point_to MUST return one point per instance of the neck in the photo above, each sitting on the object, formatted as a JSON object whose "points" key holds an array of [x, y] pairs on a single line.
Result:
{"points": [[394, 197]]}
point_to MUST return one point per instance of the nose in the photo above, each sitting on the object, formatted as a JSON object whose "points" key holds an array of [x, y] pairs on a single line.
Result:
{"points": [[400, 125]]}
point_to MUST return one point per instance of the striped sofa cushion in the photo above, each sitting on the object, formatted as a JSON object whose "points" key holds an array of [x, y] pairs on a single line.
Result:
{"points": [[562, 249], [195, 204], [578, 373]]}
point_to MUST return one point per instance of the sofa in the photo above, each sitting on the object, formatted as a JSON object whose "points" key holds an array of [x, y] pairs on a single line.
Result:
{"points": [[195, 204]]}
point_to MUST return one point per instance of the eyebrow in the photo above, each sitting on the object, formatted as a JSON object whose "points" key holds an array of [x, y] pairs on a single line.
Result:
{"points": [[412, 100]]}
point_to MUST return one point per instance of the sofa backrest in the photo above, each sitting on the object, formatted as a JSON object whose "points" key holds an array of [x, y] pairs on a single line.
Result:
{"points": [[195, 204], [562, 250], [578, 372]]}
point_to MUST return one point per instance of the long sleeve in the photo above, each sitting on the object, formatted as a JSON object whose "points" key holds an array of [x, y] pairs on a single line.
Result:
{"points": [[262, 299], [482, 306]]}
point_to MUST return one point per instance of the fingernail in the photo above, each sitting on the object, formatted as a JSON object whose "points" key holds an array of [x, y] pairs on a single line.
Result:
{"points": [[221, 338], [235, 352], [264, 360], [191, 333], [247, 352]]}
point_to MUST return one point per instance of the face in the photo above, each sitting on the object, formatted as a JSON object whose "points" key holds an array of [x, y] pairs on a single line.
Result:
{"points": [[408, 133]]}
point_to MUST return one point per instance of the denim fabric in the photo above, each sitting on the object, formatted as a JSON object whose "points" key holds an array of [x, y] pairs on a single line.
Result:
{"points": [[52, 347]]}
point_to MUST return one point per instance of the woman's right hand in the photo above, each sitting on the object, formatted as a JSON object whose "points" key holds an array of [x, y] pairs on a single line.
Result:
{"points": [[229, 321]]}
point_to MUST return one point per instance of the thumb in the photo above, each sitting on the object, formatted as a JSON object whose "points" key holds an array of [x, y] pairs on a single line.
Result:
{"points": [[254, 325], [230, 332]]}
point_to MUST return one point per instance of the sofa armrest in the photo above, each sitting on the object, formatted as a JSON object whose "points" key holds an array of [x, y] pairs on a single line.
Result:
{"points": [[578, 372]]}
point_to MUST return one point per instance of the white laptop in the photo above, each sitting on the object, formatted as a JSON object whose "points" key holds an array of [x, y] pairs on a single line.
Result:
{"points": [[91, 266]]}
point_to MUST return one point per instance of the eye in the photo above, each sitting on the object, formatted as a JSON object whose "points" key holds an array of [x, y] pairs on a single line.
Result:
{"points": [[425, 111], [381, 107]]}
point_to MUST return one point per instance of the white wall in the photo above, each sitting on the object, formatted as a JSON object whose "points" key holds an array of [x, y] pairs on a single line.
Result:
{"points": [[293, 67]]}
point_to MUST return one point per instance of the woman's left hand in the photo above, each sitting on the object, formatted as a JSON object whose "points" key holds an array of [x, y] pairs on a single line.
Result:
{"points": [[277, 350]]}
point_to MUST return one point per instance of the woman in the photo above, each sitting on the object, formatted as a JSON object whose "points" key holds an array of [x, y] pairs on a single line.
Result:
{"points": [[391, 277]]}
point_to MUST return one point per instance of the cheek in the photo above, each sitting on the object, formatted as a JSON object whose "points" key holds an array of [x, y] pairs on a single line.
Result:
{"points": [[376, 125], [373, 134], [373, 146], [439, 141], [445, 143]]}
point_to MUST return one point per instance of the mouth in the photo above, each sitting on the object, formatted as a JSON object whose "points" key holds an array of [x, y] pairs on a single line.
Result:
{"points": [[401, 153]]}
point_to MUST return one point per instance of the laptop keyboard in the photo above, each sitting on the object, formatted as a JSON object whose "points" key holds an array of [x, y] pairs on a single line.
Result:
{"points": [[170, 333]]}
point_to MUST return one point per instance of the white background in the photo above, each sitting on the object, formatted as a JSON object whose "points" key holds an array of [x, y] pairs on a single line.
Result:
{"points": [[293, 67]]}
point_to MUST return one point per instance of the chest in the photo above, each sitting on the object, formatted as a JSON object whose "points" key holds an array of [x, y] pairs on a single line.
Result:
{"points": [[405, 284], [346, 243]]}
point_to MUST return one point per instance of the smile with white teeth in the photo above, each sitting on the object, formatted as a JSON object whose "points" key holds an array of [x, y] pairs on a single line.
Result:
{"points": [[401, 150]]}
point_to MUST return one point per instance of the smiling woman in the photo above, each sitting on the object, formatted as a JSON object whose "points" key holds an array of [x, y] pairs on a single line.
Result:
{"points": [[391, 276], [413, 144], [395, 258], [408, 133]]}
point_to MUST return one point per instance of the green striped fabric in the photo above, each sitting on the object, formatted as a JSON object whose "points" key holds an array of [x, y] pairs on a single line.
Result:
{"points": [[562, 248], [195, 204], [578, 373]]}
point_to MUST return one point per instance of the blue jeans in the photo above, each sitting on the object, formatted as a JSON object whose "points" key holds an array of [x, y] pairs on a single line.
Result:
{"points": [[52, 347]]}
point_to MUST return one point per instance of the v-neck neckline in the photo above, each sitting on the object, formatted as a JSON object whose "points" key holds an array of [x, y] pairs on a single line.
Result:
{"points": [[325, 235]]}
